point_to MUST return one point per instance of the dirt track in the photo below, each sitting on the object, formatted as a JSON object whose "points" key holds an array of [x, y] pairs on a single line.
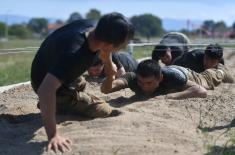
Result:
{"points": [[161, 127]]}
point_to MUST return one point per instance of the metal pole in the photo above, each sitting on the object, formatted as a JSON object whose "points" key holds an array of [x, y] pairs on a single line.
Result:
{"points": [[130, 47], [6, 26]]}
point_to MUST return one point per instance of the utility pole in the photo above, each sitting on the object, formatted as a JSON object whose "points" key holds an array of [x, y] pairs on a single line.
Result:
{"points": [[6, 25]]}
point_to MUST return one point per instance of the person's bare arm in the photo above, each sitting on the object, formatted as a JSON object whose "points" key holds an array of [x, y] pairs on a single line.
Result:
{"points": [[191, 90], [109, 85], [47, 101], [109, 66]]}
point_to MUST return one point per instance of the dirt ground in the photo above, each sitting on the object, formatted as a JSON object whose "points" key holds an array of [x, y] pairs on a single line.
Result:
{"points": [[164, 127]]}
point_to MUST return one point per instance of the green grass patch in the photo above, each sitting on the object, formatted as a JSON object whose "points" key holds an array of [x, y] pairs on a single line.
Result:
{"points": [[15, 68], [144, 51], [227, 148], [17, 43], [141, 52]]}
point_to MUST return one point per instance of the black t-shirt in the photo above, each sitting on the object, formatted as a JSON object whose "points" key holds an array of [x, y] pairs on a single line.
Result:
{"points": [[65, 54], [176, 52], [173, 80], [192, 60], [125, 60]]}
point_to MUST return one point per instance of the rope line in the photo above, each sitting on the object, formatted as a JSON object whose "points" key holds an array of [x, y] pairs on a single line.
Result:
{"points": [[131, 45]]}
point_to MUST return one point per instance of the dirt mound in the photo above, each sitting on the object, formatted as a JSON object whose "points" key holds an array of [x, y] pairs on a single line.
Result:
{"points": [[190, 126]]}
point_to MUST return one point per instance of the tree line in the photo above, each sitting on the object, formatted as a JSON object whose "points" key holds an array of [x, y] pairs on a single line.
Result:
{"points": [[146, 25]]}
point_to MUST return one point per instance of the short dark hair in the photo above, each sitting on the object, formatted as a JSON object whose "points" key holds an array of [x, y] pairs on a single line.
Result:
{"points": [[114, 28], [159, 51], [149, 68], [214, 51]]}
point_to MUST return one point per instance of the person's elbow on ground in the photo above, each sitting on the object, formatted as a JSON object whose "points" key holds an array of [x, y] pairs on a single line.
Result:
{"points": [[105, 88], [112, 86]]}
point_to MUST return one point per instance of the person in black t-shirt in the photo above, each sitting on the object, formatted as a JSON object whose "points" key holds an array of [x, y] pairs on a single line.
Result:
{"points": [[175, 82], [124, 62], [171, 46], [151, 80], [199, 59], [61, 60]]}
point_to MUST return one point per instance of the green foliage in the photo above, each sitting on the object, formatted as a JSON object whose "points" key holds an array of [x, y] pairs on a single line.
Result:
{"points": [[2, 29], [74, 16], [147, 25], [93, 14], [233, 26], [59, 21], [208, 25], [20, 31], [217, 150], [38, 25], [220, 27]]}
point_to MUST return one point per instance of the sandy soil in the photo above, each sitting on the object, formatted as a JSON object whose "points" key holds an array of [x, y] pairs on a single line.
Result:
{"points": [[164, 127]]}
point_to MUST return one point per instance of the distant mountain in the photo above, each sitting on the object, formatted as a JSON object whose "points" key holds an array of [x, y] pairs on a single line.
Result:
{"points": [[168, 24], [15, 19]]}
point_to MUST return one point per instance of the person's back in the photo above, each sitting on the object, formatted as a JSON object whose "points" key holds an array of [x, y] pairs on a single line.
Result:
{"points": [[126, 60], [201, 59], [192, 60], [64, 41]]}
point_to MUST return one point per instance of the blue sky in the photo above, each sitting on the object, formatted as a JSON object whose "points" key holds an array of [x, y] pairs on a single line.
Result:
{"points": [[176, 9]]}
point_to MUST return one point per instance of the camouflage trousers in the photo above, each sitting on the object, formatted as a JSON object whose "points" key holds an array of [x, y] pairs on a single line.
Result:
{"points": [[208, 79], [73, 100]]}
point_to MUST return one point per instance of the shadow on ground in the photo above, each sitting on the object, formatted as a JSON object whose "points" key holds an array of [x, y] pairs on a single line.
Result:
{"points": [[211, 129], [18, 133]]}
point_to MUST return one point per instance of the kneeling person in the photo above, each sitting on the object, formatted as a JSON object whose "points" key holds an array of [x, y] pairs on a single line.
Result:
{"points": [[62, 59]]}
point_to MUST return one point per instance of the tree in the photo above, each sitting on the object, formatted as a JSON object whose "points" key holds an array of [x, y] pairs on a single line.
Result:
{"points": [[19, 31], [220, 27], [38, 25], [233, 26], [74, 16], [208, 25], [2, 29], [60, 22], [93, 14], [147, 25]]}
